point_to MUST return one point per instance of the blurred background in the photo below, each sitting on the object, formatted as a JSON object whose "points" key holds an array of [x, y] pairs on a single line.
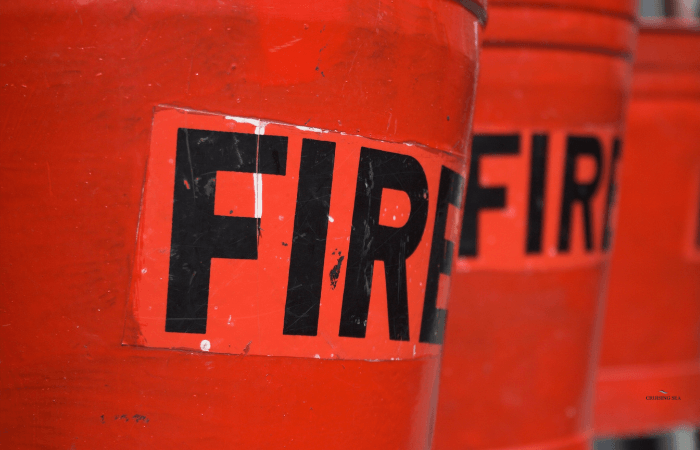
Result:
{"points": [[679, 8], [682, 439]]}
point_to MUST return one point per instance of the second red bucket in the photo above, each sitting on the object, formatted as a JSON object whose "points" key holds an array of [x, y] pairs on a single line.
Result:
{"points": [[537, 227]]}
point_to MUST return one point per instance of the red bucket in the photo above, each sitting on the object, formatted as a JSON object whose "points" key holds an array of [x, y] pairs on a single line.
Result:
{"points": [[271, 156], [537, 227], [649, 375]]}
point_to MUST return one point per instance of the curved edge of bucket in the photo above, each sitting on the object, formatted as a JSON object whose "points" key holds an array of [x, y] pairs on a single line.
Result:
{"points": [[477, 9]]}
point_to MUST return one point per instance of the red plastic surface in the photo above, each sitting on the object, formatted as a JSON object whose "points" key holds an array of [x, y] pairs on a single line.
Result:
{"points": [[650, 340], [520, 345], [79, 82]]}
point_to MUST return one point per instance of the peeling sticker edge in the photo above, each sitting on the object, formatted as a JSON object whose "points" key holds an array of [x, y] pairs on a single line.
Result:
{"points": [[261, 124], [257, 123], [315, 130]]}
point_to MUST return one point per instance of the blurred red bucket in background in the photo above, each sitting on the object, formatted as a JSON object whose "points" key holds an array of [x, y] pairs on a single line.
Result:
{"points": [[248, 323], [522, 330], [649, 376]]}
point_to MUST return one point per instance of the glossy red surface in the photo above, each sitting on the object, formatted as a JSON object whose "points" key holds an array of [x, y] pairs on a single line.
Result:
{"points": [[79, 82], [521, 340], [650, 340]]}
